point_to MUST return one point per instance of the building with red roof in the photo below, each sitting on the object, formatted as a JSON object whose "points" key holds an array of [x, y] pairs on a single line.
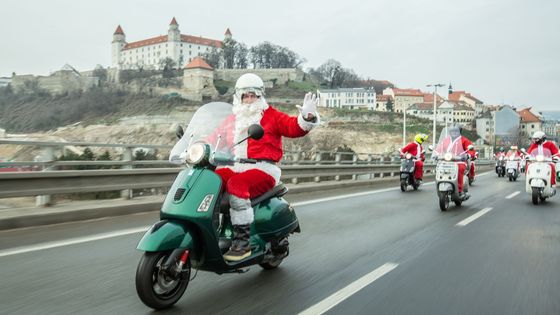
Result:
{"points": [[148, 53], [530, 121]]}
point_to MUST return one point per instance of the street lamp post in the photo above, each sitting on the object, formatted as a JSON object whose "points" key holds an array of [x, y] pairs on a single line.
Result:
{"points": [[435, 110]]}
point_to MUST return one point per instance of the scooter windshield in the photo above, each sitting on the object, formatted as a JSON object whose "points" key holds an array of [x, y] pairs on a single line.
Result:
{"points": [[450, 142], [213, 124], [541, 151]]}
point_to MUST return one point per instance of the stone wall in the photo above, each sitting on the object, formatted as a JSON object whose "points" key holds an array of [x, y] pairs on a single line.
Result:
{"points": [[277, 76], [57, 83]]}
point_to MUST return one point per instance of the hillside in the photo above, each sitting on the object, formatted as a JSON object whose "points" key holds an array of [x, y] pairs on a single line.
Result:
{"points": [[109, 116]]}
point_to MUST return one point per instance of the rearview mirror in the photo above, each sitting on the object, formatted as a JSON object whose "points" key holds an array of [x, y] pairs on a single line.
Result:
{"points": [[179, 132], [430, 148], [255, 131]]}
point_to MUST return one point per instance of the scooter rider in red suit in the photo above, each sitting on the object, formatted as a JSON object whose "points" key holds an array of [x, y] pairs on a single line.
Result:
{"points": [[539, 142], [457, 144], [415, 148], [473, 156], [246, 181]]}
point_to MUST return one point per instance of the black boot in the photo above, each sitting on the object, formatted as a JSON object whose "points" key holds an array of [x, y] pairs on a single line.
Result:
{"points": [[240, 247]]}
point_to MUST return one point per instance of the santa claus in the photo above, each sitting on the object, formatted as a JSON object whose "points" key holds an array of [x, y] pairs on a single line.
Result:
{"points": [[245, 181]]}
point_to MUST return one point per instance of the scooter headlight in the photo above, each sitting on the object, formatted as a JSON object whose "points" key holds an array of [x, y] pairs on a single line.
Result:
{"points": [[511, 158], [501, 158], [195, 153], [408, 156], [540, 158], [448, 156]]}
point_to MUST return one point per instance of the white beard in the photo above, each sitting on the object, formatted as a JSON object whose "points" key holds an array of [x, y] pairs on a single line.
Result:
{"points": [[245, 116]]}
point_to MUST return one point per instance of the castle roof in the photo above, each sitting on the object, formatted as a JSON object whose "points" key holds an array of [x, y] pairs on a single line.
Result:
{"points": [[184, 38], [198, 62], [228, 32], [173, 22], [118, 31]]}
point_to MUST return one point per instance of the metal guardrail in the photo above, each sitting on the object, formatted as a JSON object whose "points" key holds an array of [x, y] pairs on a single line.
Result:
{"points": [[19, 184]]}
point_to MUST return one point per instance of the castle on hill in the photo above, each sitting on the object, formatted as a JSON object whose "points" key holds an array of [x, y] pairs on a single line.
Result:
{"points": [[148, 53]]}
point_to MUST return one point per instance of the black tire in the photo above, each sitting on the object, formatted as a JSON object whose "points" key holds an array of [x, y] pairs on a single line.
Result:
{"points": [[535, 196], [403, 185], [270, 265], [443, 201], [458, 202], [155, 289], [415, 186], [510, 178], [273, 264]]}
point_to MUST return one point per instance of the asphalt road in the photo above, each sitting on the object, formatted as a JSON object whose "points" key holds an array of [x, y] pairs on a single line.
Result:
{"points": [[378, 252]]}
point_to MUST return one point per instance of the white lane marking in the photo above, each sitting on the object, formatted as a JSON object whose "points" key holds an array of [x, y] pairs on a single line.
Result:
{"points": [[72, 241], [349, 290], [513, 195], [474, 216]]}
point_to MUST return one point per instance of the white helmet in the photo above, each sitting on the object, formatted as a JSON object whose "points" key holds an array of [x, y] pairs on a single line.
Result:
{"points": [[249, 82], [538, 137]]}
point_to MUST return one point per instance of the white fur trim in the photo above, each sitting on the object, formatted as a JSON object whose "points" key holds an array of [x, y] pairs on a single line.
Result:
{"points": [[307, 125], [270, 169], [242, 217], [245, 116]]}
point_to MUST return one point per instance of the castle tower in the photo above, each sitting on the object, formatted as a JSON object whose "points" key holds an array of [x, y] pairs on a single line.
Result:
{"points": [[227, 34], [119, 41], [173, 34], [198, 80]]}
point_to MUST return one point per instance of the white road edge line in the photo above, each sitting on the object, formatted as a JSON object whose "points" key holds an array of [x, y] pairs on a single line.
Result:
{"points": [[513, 195], [474, 216], [349, 290], [72, 241]]}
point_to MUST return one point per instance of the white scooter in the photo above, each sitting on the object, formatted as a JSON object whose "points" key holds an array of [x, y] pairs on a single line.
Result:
{"points": [[512, 167], [537, 181]]}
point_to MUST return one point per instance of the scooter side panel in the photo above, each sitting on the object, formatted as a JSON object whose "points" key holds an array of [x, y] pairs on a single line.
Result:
{"points": [[205, 186], [166, 236], [274, 218]]}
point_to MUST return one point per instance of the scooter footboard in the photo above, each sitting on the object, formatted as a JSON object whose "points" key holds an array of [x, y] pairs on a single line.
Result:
{"points": [[167, 235]]}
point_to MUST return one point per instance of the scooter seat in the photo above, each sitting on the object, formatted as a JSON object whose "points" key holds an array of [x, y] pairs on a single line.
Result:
{"points": [[277, 191]]}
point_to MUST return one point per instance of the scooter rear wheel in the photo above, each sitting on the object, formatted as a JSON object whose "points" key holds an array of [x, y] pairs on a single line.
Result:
{"points": [[535, 196], [156, 289]]}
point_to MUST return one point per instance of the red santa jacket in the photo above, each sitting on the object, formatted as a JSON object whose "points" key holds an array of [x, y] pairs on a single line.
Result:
{"points": [[276, 125], [415, 149], [546, 145]]}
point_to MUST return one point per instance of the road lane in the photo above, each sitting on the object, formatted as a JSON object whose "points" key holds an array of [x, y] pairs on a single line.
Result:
{"points": [[341, 241]]}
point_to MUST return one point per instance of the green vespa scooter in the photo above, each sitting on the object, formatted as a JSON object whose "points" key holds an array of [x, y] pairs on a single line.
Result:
{"points": [[195, 228]]}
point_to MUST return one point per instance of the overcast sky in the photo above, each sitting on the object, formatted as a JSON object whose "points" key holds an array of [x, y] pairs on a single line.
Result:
{"points": [[501, 51]]}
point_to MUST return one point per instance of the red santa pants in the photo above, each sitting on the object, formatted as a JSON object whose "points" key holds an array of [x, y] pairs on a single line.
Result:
{"points": [[418, 169], [246, 185], [471, 171], [462, 169]]}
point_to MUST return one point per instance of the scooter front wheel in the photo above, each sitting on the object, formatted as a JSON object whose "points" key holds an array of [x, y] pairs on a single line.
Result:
{"points": [[154, 286], [403, 185], [443, 201]]}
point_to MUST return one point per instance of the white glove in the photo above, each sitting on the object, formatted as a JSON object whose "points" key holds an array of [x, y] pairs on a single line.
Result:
{"points": [[309, 106]]}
